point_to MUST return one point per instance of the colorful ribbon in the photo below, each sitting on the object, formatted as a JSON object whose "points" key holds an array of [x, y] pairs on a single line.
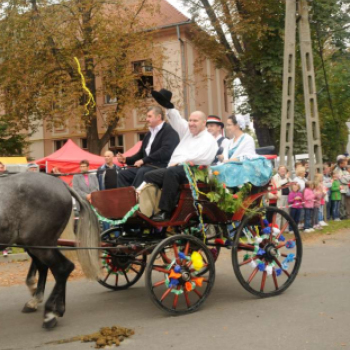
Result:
{"points": [[195, 194], [83, 83]]}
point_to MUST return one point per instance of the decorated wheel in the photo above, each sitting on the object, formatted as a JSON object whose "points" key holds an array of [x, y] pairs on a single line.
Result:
{"points": [[266, 257], [175, 276], [119, 269]]}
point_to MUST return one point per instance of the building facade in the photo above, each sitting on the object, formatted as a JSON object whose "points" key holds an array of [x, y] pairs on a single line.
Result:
{"points": [[196, 83]]}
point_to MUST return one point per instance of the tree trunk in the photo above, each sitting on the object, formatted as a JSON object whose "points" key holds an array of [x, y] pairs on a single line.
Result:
{"points": [[263, 133]]}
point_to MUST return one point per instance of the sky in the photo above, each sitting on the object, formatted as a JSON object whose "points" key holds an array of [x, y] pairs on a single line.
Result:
{"points": [[179, 6]]}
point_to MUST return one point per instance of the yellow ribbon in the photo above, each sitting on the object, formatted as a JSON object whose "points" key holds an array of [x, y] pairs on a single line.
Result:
{"points": [[83, 83]]}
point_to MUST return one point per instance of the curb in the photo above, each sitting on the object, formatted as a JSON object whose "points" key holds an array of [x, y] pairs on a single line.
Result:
{"points": [[14, 257]]}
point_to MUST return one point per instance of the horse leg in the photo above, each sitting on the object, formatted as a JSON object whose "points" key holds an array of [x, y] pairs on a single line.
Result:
{"points": [[61, 268], [38, 292], [31, 280]]}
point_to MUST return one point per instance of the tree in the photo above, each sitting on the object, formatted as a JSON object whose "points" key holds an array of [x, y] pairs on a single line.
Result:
{"points": [[39, 77], [11, 144], [247, 38]]}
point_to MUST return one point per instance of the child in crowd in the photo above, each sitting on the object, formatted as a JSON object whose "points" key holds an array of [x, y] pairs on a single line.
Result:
{"points": [[309, 198], [295, 198], [335, 197], [319, 197]]}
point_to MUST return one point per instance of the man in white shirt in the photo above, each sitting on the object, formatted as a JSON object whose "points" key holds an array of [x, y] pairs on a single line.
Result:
{"points": [[197, 146], [215, 126], [155, 152]]}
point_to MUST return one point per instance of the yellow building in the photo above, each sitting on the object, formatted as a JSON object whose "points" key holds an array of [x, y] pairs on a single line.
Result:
{"points": [[198, 87]]}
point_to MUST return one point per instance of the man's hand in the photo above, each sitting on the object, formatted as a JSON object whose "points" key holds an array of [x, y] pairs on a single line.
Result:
{"points": [[121, 158], [88, 197], [139, 163], [220, 157]]}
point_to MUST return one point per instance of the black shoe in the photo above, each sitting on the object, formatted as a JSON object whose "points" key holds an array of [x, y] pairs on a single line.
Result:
{"points": [[161, 216]]}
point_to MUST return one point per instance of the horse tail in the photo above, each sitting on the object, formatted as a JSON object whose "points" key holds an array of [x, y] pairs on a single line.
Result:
{"points": [[88, 235]]}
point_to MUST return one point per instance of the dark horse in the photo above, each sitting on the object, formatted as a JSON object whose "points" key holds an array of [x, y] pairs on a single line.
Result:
{"points": [[34, 211]]}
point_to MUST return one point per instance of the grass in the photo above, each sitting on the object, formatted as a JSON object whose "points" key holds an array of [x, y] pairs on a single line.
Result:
{"points": [[334, 226]]}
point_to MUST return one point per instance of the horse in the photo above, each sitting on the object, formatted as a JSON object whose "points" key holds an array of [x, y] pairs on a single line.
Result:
{"points": [[35, 209]]}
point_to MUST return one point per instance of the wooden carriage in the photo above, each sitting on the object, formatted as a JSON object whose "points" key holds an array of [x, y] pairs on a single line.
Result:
{"points": [[180, 272]]}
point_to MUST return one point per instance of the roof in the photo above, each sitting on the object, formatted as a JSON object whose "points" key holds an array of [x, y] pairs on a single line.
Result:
{"points": [[169, 14], [164, 15], [71, 154]]}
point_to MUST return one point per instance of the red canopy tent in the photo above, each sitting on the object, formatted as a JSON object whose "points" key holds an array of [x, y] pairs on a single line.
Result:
{"points": [[67, 159]]}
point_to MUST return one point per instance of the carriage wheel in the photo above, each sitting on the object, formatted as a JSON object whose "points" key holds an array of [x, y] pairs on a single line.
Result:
{"points": [[266, 257], [120, 270], [174, 275]]}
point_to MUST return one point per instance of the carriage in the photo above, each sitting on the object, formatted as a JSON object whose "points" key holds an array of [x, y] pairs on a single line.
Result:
{"points": [[178, 257]]}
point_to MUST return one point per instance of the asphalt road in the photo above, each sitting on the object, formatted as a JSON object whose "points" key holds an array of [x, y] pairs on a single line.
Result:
{"points": [[314, 313]]}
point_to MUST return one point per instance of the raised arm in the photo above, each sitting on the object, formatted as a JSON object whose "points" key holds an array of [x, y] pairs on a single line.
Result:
{"points": [[177, 122]]}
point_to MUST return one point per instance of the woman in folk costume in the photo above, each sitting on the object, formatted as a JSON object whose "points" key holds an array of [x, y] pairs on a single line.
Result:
{"points": [[241, 164]]}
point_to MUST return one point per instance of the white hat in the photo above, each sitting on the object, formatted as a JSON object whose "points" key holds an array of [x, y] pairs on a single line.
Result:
{"points": [[341, 156], [241, 121]]}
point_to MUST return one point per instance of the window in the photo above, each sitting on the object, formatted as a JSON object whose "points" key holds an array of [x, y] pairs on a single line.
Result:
{"points": [[111, 99], [84, 143], [116, 144], [141, 136], [143, 71], [110, 87], [59, 144]]}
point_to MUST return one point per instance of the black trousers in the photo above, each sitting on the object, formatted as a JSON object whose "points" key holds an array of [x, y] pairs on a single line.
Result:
{"points": [[132, 176], [169, 179]]}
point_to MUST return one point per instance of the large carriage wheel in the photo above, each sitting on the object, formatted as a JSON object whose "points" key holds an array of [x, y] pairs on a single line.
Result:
{"points": [[265, 257], [174, 275], [120, 270]]}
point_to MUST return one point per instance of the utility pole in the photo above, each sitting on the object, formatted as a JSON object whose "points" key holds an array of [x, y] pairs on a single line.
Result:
{"points": [[297, 11]]}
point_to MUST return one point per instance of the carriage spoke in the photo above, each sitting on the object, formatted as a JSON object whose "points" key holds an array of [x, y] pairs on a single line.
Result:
{"points": [[158, 284], [165, 258], [116, 279], [106, 278], [284, 227], [244, 246], [274, 276], [126, 276], [263, 281], [280, 265], [176, 253], [198, 293], [160, 269], [248, 261], [131, 268], [166, 293], [176, 298], [252, 275], [187, 248], [188, 303]]}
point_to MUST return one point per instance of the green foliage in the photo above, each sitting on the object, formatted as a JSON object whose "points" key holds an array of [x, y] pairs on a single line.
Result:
{"points": [[250, 46], [10, 144], [228, 200]]}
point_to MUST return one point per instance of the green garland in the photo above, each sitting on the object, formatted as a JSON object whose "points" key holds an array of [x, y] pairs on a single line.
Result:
{"points": [[226, 199], [130, 213]]}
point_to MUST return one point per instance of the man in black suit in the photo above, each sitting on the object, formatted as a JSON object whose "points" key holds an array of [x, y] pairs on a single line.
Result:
{"points": [[156, 150]]}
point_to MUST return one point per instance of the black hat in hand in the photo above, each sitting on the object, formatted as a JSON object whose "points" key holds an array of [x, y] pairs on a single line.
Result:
{"points": [[163, 97]]}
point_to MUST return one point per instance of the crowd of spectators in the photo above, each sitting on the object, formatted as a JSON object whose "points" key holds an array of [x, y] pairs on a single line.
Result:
{"points": [[313, 202]]}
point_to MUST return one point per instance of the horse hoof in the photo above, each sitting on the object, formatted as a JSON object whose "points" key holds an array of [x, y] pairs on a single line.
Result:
{"points": [[51, 323], [28, 310]]}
